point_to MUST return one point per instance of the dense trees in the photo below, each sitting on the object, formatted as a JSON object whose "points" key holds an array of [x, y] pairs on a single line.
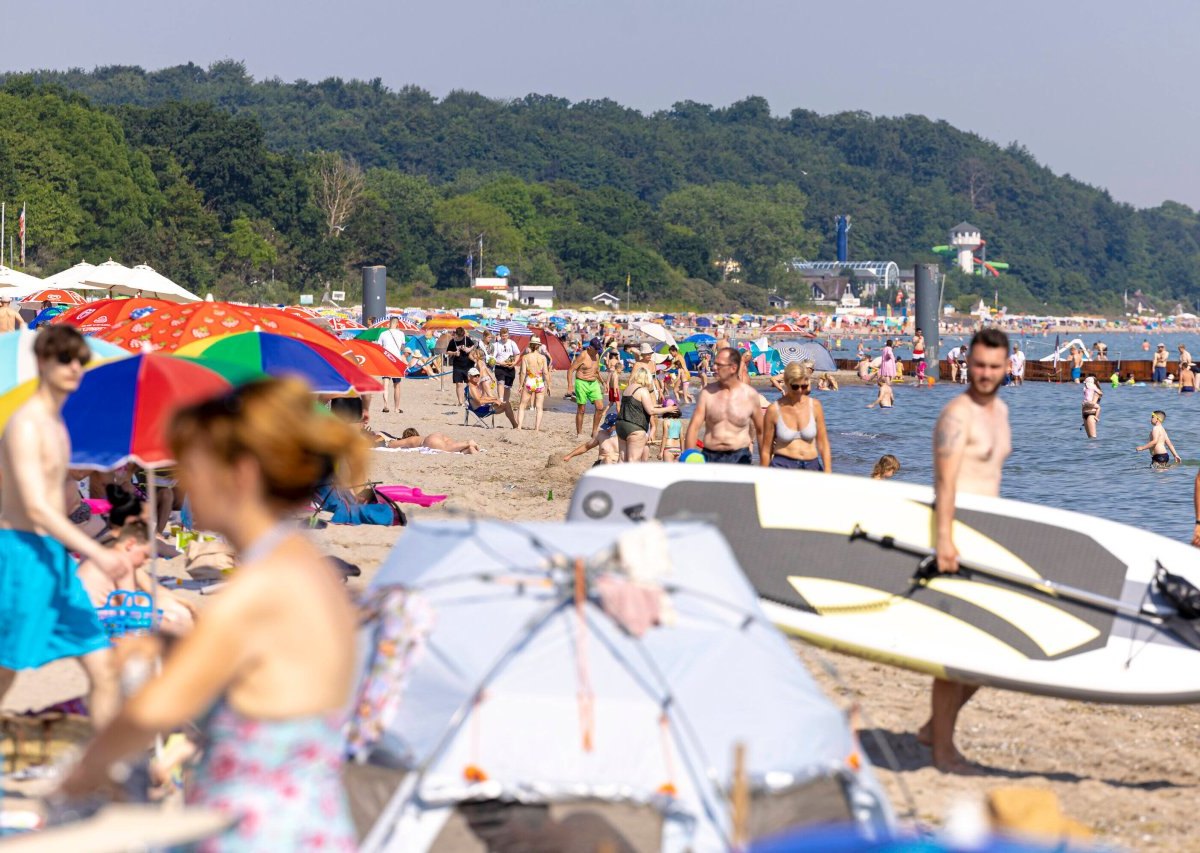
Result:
{"points": [[222, 181]]}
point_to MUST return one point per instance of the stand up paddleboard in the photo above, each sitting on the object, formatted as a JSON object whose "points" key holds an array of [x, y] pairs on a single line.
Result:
{"points": [[1049, 601]]}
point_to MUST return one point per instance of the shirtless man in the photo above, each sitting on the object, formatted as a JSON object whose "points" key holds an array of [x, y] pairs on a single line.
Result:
{"points": [[10, 319], [1158, 365], [585, 372], [726, 408], [1076, 364], [970, 443], [45, 612]]}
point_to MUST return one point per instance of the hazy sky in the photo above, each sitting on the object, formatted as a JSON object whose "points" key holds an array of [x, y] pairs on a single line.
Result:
{"points": [[1105, 90]]}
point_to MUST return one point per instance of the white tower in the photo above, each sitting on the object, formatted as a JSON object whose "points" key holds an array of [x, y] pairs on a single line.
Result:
{"points": [[966, 238]]}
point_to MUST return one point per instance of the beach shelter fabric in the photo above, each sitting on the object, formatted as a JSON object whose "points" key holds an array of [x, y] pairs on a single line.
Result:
{"points": [[103, 314], [700, 338], [323, 368], [514, 327], [793, 350], [173, 326], [528, 689], [122, 409], [559, 359], [57, 295], [703, 323]]}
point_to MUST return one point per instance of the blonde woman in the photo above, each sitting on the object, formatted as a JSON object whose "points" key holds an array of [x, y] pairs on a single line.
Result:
{"points": [[794, 434], [534, 376], [268, 669], [638, 403]]}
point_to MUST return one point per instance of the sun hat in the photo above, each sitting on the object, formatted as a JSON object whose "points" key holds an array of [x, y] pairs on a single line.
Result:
{"points": [[534, 339], [645, 349], [474, 371]]}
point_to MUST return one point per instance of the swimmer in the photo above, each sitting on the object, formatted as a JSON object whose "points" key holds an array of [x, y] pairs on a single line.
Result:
{"points": [[1091, 406], [887, 467], [1187, 378], [886, 398], [1159, 443]]}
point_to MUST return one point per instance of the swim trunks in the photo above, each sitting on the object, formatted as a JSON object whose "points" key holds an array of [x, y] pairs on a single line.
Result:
{"points": [[1160, 459], [587, 391], [741, 456], [1186, 389], [460, 375], [1160, 375], [813, 464], [1076, 372], [45, 613]]}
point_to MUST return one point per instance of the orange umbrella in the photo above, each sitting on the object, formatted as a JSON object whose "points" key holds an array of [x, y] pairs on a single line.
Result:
{"points": [[103, 314], [405, 325], [173, 326], [448, 321], [56, 295], [341, 324], [372, 358], [301, 311]]}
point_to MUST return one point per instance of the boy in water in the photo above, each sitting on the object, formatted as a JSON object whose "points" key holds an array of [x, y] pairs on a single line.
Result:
{"points": [[1159, 442]]}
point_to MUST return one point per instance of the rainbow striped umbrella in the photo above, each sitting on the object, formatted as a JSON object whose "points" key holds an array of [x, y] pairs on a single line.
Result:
{"points": [[324, 369]]}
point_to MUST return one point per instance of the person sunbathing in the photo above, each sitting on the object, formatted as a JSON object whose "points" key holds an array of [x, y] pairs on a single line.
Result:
{"points": [[435, 441], [178, 616], [483, 403]]}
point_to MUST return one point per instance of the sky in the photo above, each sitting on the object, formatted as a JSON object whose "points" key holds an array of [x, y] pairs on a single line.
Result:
{"points": [[1104, 90]]}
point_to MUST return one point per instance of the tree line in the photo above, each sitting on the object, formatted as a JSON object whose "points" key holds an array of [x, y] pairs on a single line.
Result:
{"points": [[262, 189]]}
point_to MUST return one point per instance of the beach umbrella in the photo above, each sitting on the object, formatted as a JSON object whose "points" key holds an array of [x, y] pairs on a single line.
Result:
{"points": [[703, 323], [656, 331], [171, 327], [700, 338], [72, 278], [140, 280], [342, 324], [122, 409], [301, 311], [514, 327], [405, 324], [103, 314], [371, 334], [448, 321], [793, 350], [57, 295], [775, 328], [324, 369], [10, 277], [18, 364], [372, 358]]}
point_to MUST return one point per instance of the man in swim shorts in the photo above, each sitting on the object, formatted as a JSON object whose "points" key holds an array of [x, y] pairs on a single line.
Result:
{"points": [[585, 371], [1158, 364], [971, 441], [1016, 365], [45, 612], [1159, 442], [1076, 364], [727, 408]]}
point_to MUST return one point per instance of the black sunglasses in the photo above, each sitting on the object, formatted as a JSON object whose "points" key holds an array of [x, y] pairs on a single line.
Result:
{"points": [[65, 358], [797, 387]]}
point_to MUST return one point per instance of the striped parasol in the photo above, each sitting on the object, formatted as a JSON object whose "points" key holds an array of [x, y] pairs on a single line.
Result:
{"points": [[514, 327], [792, 350]]}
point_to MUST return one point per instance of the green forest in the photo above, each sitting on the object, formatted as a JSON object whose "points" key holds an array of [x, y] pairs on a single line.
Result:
{"points": [[260, 190]]}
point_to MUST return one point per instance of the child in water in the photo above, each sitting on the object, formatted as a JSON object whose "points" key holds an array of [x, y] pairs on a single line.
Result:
{"points": [[1159, 443], [887, 467]]}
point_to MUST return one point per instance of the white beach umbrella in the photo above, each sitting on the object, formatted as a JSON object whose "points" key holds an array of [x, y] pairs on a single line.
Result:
{"points": [[138, 281], [10, 277], [658, 332], [73, 278]]}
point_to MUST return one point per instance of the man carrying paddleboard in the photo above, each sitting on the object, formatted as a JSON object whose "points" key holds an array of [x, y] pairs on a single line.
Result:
{"points": [[970, 443]]}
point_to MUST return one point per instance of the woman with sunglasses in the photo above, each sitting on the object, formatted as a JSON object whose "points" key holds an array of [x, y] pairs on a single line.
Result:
{"points": [[269, 667], [794, 434]]}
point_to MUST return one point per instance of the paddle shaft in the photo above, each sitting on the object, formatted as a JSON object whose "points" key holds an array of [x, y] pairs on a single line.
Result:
{"points": [[928, 569]]}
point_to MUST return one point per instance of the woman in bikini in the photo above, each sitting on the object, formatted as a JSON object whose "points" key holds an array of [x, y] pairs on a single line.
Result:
{"points": [[794, 433], [534, 376]]}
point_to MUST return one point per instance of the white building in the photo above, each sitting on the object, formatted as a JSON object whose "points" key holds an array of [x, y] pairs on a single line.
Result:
{"points": [[535, 295], [966, 238], [607, 299]]}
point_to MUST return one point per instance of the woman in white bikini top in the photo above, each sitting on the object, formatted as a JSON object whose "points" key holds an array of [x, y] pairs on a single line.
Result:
{"points": [[796, 447]]}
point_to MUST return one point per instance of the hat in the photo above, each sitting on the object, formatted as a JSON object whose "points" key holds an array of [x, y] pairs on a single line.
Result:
{"points": [[474, 371], [596, 344], [610, 420], [645, 349], [5, 299], [1162, 346], [534, 339]]}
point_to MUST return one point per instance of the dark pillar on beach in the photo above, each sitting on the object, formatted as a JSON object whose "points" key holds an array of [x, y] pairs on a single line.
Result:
{"points": [[928, 313], [374, 293]]}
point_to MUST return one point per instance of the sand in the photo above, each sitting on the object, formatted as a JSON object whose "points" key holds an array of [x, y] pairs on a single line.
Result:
{"points": [[1126, 772]]}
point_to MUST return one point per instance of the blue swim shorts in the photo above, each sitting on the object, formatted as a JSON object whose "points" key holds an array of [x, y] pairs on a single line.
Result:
{"points": [[45, 613]]}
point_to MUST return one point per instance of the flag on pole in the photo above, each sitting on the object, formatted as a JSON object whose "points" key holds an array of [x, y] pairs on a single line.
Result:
{"points": [[21, 232]]}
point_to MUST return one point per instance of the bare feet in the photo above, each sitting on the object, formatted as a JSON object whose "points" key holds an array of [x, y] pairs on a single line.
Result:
{"points": [[956, 764]]}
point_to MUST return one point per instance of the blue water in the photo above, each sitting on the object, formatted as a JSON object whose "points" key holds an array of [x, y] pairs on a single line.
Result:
{"points": [[1053, 462], [1121, 345]]}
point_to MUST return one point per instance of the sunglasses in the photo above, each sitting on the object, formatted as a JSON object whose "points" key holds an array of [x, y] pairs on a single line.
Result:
{"points": [[798, 387], [65, 358]]}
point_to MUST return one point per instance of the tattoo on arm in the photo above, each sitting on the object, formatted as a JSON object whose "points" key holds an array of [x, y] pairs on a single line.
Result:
{"points": [[947, 435]]}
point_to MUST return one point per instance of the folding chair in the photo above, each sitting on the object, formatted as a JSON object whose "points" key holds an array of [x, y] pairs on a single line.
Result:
{"points": [[475, 416]]}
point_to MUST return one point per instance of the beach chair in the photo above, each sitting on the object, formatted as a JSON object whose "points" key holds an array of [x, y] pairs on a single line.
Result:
{"points": [[475, 415]]}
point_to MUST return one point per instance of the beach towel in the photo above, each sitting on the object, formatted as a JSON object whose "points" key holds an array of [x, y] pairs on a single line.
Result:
{"points": [[45, 613]]}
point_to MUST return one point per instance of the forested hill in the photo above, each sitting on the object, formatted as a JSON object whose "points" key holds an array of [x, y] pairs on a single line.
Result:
{"points": [[583, 193]]}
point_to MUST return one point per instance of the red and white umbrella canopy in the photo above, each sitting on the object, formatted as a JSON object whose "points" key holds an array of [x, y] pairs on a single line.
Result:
{"points": [[56, 295]]}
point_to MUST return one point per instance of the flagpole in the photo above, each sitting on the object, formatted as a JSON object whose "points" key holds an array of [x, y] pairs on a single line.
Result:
{"points": [[2, 205], [22, 235]]}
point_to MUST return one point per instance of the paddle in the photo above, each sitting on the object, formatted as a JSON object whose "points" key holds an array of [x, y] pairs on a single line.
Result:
{"points": [[927, 569]]}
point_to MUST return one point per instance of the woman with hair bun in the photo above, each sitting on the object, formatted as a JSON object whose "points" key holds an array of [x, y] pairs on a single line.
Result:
{"points": [[269, 666]]}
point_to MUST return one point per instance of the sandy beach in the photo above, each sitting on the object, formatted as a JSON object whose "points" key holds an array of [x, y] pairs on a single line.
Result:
{"points": [[1126, 772]]}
